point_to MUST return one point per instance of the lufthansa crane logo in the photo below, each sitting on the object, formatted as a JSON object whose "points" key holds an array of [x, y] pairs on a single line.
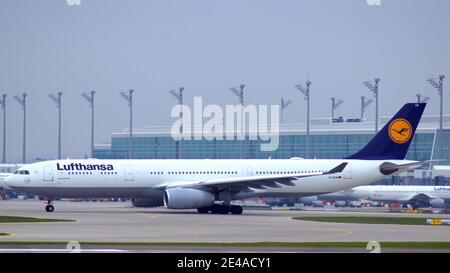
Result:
{"points": [[400, 131]]}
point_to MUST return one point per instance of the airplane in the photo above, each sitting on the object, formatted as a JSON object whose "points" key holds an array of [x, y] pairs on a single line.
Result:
{"points": [[210, 185], [416, 196]]}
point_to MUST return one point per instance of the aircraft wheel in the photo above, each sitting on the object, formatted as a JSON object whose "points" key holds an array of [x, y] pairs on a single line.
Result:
{"points": [[224, 209], [236, 210], [203, 210], [220, 209], [49, 208]]}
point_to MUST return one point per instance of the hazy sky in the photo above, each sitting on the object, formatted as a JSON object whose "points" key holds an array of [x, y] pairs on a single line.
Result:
{"points": [[207, 46]]}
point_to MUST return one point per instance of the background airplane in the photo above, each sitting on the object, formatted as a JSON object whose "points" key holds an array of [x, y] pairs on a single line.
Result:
{"points": [[416, 196]]}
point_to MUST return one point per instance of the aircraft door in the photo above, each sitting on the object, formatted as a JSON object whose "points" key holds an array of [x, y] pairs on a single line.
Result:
{"points": [[249, 171], [48, 173], [129, 173], [347, 172]]}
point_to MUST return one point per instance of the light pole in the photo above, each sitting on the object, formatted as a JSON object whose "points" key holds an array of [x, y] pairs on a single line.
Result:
{"points": [[179, 96], [57, 100], [283, 105], [334, 105], [305, 92], [90, 100], [422, 100], [438, 85], [364, 104], [240, 95], [129, 98], [23, 102], [373, 87], [3, 103]]}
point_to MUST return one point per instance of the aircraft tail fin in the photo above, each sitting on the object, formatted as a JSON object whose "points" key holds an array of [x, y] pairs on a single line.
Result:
{"points": [[393, 141]]}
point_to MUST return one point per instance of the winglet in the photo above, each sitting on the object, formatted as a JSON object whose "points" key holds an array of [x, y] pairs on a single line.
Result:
{"points": [[337, 169]]}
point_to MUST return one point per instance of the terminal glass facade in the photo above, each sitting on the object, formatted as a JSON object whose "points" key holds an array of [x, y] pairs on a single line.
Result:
{"points": [[424, 146]]}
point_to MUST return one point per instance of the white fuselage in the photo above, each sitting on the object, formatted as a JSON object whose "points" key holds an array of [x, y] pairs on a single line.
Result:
{"points": [[398, 193], [142, 178]]}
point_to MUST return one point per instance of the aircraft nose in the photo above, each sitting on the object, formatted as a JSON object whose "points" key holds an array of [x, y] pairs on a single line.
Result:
{"points": [[10, 181]]}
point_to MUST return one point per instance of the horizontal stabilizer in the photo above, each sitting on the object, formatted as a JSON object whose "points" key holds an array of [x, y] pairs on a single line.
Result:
{"points": [[388, 168]]}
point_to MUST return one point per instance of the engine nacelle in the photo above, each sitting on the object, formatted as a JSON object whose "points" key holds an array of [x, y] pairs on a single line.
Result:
{"points": [[147, 202], [437, 203], [187, 199]]}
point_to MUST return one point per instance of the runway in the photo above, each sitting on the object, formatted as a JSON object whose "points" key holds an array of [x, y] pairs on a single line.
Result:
{"points": [[119, 222]]}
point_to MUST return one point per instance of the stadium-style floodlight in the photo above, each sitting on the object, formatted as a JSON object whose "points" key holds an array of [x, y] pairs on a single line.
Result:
{"points": [[283, 105], [240, 95], [129, 98], [364, 104], [3, 104], [90, 99], [373, 87], [57, 99], [179, 96], [23, 102], [306, 93], [438, 84], [421, 99], [334, 105]]}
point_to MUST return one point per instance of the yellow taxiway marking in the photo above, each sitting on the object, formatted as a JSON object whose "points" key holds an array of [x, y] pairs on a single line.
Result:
{"points": [[153, 216]]}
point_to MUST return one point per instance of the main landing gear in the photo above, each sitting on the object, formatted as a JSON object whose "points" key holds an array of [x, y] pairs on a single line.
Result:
{"points": [[221, 209], [49, 207]]}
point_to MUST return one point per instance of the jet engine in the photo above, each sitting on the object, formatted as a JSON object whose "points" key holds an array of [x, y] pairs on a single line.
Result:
{"points": [[187, 198], [437, 203]]}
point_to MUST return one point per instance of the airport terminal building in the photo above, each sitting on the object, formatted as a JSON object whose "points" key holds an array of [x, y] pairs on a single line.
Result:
{"points": [[328, 139]]}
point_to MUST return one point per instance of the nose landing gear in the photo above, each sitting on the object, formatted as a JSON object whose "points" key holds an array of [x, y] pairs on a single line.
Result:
{"points": [[49, 207]]}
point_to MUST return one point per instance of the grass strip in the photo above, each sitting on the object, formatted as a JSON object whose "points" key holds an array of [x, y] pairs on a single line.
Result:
{"points": [[365, 220], [19, 219], [408, 245]]}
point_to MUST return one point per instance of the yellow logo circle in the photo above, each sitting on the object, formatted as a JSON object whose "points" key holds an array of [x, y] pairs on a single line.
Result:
{"points": [[400, 131]]}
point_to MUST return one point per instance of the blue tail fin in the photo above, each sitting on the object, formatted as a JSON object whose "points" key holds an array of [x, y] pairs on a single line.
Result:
{"points": [[392, 142]]}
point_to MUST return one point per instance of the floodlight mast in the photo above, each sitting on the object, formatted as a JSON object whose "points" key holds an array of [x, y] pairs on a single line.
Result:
{"points": [[334, 105], [438, 84], [364, 104], [90, 99], [57, 100], [240, 95], [3, 104], [23, 102], [178, 95], [373, 87], [306, 93], [129, 98], [284, 103], [421, 99]]}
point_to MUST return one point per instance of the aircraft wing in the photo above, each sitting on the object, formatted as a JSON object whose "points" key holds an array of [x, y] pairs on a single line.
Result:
{"points": [[247, 182]]}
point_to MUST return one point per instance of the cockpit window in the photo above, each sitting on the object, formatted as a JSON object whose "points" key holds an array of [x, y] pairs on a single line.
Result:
{"points": [[22, 172]]}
